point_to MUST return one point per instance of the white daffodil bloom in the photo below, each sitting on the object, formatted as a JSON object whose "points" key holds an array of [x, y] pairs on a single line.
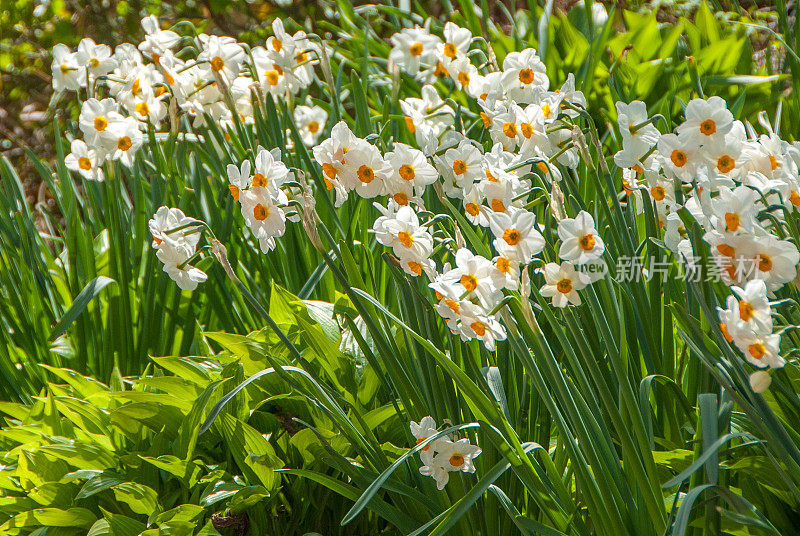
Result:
{"points": [[172, 225], [84, 161], [156, 42], [124, 139], [95, 117], [516, 236], [562, 283], [67, 71], [175, 265], [310, 122], [263, 216], [706, 120], [748, 311], [96, 59], [580, 242], [761, 350]]}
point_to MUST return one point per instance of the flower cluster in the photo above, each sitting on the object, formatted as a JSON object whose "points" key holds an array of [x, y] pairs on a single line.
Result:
{"points": [[738, 185], [262, 195], [443, 455], [141, 88], [490, 163]]}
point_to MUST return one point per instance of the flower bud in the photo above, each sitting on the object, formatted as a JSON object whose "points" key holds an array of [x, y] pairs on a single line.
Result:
{"points": [[760, 380]]}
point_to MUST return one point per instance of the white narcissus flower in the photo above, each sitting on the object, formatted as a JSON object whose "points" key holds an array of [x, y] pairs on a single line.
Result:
{"points": [[95, 117], [761, 350], [463, 164], [457, 456], [736, 210], [456, 43], [220, 54], [123, 140], [175, 265], [510, 270], [475, 324], [67, 72], [638, 137], [473, 276], [678, 155], [411, 171], [404, 234], [264, 217], [524, 75], [580, 242], [172, 225], [366, 171], [706, 120], [438, 473], [84, 161], [239, 178], [774, 260], [562, 283], [424, 429], [156, 41], [96, 59], [310, 121], [411, 48], [748, 311], [270, 172], [516, 236]]}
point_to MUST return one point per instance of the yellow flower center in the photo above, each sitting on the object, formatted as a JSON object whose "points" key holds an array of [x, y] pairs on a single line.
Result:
{"points": [[450, 50], [503, 265], [472, 209], [272, 77], [678, 158], [365, 174], [405, 239], [498, 206], [416, 49], [100, 123], [260, 212], [406, 172], [217, 64], [764, 263], [259, 180], [564, 286], [587, 242], [725, 163], [479, 328], [84, 163], [527, 130], [510, 129], [124, 143], [512, 237], [469, 282], [757, 350], [459, 166], [313, 127], [526, 76], [708, 127], [142, 109], [732, 221]]}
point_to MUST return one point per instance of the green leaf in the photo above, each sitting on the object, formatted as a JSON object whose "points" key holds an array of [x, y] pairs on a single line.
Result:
{"points": [[91, 290]]}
